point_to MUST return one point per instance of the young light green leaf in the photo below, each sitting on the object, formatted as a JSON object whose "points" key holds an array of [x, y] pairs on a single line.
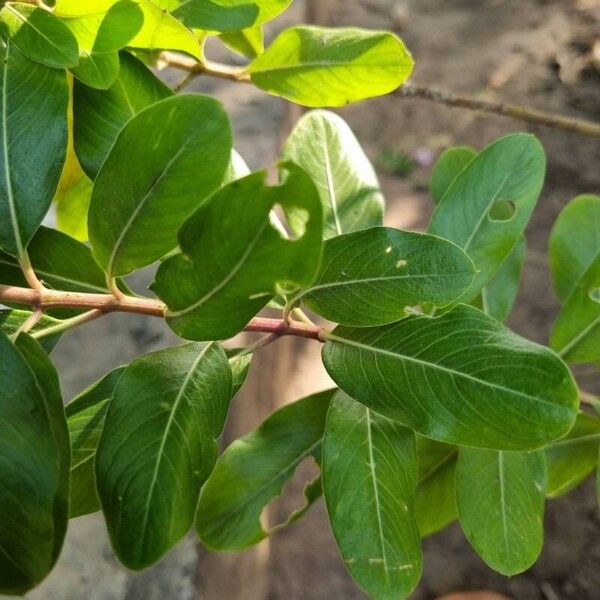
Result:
{"points": [[85, 419], [461, 378], [34, 489], [450, 163], [107, 31], [99, 116], [500, 499], [570, 253], [248, 42], [227, 15], [325, 147], [576, 332], [435, 504], [487, 206], [499, 294], [369, 483], [11, 320], [78, 8], [251, 260], [572, 458], [158, 446], [39, 35], [30, 94], [98, 71], [253, 470], [370, 277], [316, 66], [162, 31], [72, 207], [146, 190], [239, 362]]}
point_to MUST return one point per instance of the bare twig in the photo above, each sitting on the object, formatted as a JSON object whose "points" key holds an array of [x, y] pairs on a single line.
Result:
{"points": [[522, 113]]}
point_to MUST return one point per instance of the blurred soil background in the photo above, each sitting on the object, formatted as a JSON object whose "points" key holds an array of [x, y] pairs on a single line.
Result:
{"points": [[542, 53]]}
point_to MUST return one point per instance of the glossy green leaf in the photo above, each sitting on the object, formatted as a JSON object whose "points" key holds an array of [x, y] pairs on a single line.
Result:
{"points": [[227, 15], [450, 163], [248, 42], [461, 378], [576, 332], [11, 320], [500, 499], [31, 94], [85, 418], [145, 191], [369, 483], [316, 66], [107, 31], [60, 261], [487, 206], [498, 295], [158, 446], [370, 277], [251, 260], [98, 71], [99, 115], [572, 458], [33, 474], [162, 31], [239, 362], [325, 147], [574, 243], [39, 35], [435, 504], [253, 470]]}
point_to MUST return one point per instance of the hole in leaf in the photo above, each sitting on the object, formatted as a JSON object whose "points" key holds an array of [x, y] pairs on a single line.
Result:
{"points": [[595, 294], [502, 211], [290, 226], [401, 263]]}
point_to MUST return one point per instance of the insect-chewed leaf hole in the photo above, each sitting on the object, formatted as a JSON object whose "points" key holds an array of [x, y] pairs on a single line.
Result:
{"points": [[502, 211], [291, 225]]}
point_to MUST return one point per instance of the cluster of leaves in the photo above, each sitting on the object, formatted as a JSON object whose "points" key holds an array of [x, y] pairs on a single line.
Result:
{"points": [[441, 412]]}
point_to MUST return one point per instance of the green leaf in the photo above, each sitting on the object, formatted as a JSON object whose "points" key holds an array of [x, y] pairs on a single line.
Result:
{"points": [[31, 94], [369, 483], [316, 66], [248, 42], [370, 277], [158, 446], [78, 8], [162, 31], [253, 470], [574, 243], [239, 361], [435, 504], [572, 458], [12, 320], [85, 418], [325, 147], [39, 35], [107, 31], [216, 299], [498, 296], [450, 163], [98, 71], [145, 191], [60, 261], [576, 332], [461, 378], [500, 499], [227, 15], [487, 206], [33, 473], [72, 209], [99, 116]]}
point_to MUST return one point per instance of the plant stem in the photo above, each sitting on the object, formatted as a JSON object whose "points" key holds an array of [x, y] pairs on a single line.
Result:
{"points": [[408, 90], [85, 317], [521, 113], [105, 303], [588, 398]]}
